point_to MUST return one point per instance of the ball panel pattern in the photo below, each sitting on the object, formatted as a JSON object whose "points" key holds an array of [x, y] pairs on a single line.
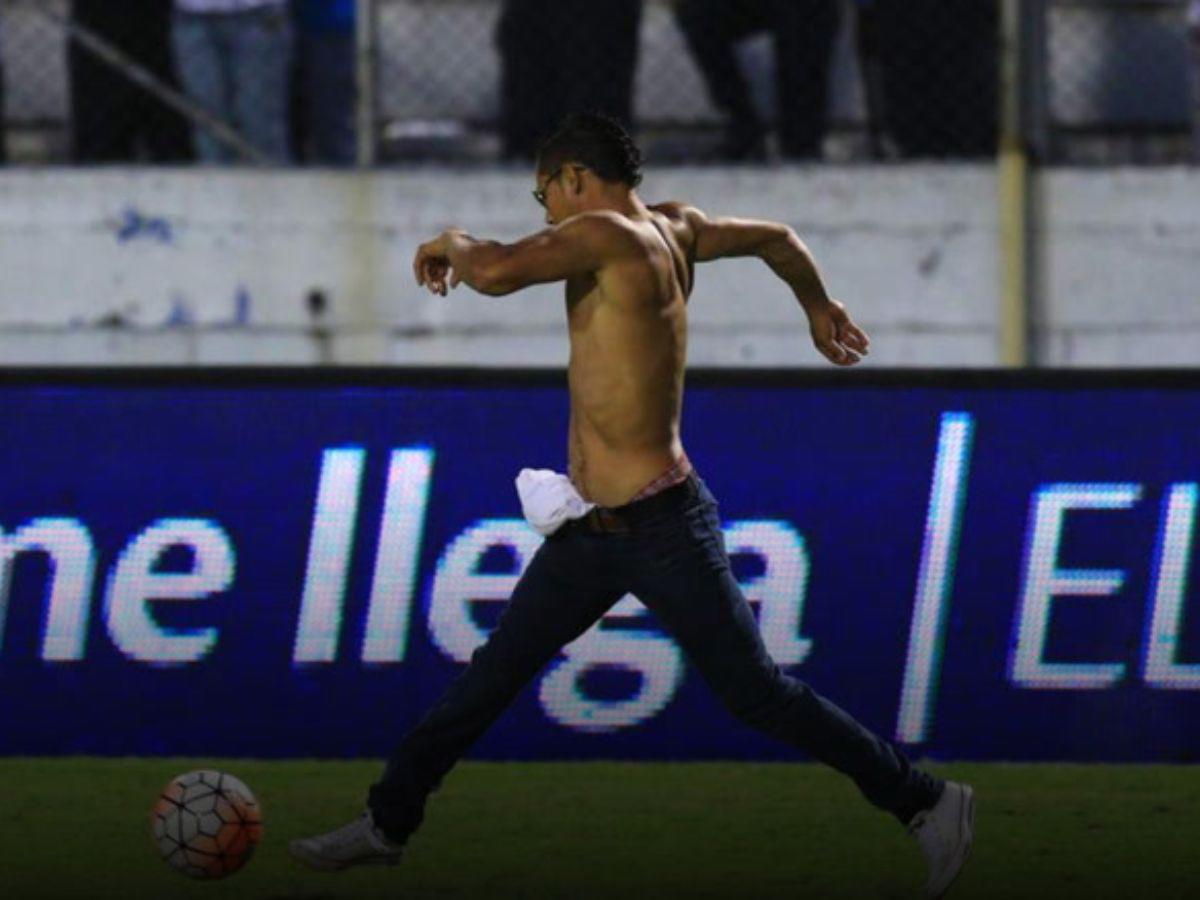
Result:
{"points": [[206, 823]]}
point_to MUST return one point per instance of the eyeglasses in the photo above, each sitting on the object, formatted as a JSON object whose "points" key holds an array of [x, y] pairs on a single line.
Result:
{"points": [[539, 194]]}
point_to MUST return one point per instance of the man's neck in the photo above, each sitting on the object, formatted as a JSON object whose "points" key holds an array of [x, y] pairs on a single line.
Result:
{"points": [[619, 200]]}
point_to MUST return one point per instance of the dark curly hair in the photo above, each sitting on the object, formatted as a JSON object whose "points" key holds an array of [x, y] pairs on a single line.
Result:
{"points": [[596, 141]]}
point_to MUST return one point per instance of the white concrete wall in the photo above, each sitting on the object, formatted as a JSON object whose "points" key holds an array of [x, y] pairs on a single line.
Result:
{"points": [[204, 267], [1121, 268]]}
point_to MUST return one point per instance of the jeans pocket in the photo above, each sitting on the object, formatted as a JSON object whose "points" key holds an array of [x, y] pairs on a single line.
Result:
{"points": [[688, 539]]}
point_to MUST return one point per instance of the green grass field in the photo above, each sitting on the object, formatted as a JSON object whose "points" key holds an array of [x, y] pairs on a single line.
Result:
{"points": [[79, 828]]}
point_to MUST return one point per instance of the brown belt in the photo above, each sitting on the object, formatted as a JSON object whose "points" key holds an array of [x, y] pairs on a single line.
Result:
{"points": [[624, 519], [604, 521]]}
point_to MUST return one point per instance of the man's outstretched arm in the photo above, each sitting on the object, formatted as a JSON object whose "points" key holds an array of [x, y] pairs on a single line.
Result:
{"points": [[581, 244], [834, 334]]}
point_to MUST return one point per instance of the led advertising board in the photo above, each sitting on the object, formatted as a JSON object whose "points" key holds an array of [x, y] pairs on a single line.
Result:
{"points": [[296, 564]]}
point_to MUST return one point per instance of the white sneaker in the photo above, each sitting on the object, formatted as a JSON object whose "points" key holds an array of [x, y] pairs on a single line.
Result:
{"points": [[945, 833], [358, 844]]}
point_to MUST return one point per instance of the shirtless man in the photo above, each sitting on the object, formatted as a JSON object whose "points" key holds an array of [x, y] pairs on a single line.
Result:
{"points": [[654, 530]]}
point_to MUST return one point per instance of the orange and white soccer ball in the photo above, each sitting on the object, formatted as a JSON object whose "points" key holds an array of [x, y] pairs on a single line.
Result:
{"points": [[206, 823]]}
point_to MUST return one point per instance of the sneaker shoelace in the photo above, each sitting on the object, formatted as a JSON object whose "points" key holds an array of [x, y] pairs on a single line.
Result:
{"points": [[918, 821]]}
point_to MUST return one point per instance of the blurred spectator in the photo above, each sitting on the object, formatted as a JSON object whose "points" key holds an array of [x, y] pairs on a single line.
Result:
{"points": [[113, 119], [803, 32], [235, 58], [323, 82], [940, 70], [563, 56], [1193, 21], [3, 108], [870, 70]]}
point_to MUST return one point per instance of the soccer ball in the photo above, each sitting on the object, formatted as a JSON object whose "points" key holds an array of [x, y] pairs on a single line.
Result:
{"points": [[206, 823]]}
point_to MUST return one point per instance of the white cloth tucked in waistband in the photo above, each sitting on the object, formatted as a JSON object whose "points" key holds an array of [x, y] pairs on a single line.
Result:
{"points": [[548, 500]]}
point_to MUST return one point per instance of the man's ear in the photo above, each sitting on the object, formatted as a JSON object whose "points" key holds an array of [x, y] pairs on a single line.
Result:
{"points": [[574, 176]]}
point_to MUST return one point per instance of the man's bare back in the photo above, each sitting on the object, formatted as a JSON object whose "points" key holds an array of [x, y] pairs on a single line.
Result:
{"points": [[628, 270]]}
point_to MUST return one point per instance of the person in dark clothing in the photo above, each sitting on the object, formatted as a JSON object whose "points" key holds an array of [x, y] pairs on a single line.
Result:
{"points": [[561, 55], [1193, 30], [3, 120], [940, 73], [323, 82], [803, 32], [113, 119]]}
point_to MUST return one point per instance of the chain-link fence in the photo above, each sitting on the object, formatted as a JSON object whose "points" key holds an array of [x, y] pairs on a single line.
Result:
{"points": [[700, 78], [1113, 80], [173, 81], [332, 81]]}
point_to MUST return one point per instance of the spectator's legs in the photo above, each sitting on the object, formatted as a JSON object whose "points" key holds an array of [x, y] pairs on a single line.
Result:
{"points": [[326, 75], [531, 91], [299, 127], [600, 42], [165, 133], [112, 118], [977, 59], [260, 57], [103, 123], [1194, 47], [197, 49], [804, 34], [712, 29], [941, 70], [3, 120]]}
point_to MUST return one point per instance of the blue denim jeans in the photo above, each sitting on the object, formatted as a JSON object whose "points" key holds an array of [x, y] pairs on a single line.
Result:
{"points": [[325, 74], [672, 557], [237, 65]]}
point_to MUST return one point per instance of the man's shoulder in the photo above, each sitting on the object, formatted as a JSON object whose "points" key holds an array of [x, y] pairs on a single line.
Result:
{"points": [[603, 229], [598, 220], [677, 209], [610, 222]]}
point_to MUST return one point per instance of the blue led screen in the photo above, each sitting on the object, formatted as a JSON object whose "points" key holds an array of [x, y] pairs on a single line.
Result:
{"points": [[986, 570]]}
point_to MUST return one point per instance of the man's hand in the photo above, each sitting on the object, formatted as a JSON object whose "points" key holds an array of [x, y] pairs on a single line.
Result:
{"points": [[840, 341], [432, 266]]}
